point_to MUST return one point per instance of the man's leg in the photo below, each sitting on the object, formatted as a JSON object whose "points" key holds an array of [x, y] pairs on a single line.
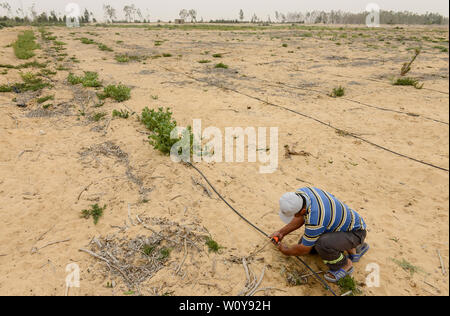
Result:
{"points": [[331, 247]]}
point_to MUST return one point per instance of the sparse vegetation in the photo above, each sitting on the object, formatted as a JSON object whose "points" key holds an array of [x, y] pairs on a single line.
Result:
{"points": [[407, 66], [95, 211], [407, 266], [31, 82], [105, 48], [443, 49], [164, 253], [148, 249], [221, 66], [122, 114], [407, 81], [96, 117], [25, 45], [348, 284], [338, 92], [45, 99], [161, 124], [213, 246], [90, 79], [87, 41], [119, 93], [204, 61], [32, 64], [125, 58]]}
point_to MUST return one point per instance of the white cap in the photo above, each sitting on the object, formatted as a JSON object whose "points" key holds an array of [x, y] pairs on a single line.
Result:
{"points": [[290, 204]]}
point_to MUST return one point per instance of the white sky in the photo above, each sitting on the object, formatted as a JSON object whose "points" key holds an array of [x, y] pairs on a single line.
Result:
{"points": [[229, 9]]}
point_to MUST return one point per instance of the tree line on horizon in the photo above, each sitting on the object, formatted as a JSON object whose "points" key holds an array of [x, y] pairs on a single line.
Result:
{"points": [[132, 14]]}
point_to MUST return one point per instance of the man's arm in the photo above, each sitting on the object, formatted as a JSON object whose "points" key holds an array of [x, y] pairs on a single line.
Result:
{"points": [[297, 250], [296, 223]]}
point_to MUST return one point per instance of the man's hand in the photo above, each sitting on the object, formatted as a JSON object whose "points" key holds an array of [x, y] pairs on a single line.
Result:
{"points": [[284, 250], [297, 250], [277, 234]]}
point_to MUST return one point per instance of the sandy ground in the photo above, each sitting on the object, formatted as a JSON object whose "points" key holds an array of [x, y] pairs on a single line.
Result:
{"points": [[43, 173]]}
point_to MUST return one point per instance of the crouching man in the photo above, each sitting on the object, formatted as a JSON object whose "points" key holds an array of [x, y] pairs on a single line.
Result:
{"points": [[332, 229]]}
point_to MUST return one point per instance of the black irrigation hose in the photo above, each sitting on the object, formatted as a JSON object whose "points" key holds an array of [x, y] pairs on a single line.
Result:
{"points": [[366, 104], [324, 283], [314, 119], [376, 80], [349, 134]]}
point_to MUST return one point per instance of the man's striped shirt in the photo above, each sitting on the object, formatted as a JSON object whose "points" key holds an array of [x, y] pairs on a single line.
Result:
{"points": [[325, 214]]}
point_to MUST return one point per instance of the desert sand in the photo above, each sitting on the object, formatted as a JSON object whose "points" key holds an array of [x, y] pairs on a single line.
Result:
{"points": [[50, 170]]}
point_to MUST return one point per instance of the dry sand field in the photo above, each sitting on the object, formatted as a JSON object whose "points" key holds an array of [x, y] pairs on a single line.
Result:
{"points": [[61, 156]]}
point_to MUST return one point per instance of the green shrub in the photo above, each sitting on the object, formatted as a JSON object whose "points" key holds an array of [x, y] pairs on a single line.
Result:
{"points": [[45, 99], [103, 47], [164, 253], [348, 284], [147, 249], [98, 116], [90, 79], [408, 81], [87, 41], [217, 55], [125, 58], [119, 93], [30, 83], [338, 92], [213, 246], [167, 55], [95, 211], [59, 43], [161, 124], [122, 114], [5, 88], [204, 61], [221, 65], [25, 45]]}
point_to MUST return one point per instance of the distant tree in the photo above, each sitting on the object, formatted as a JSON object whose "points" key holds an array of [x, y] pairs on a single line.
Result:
{"points": [[130, 12], [110, 13], [277, 16], [254, 18], [86, 16], [53, 18], [241, 15], [33, 12], [92, 17], [7, 7], [139, 14], [184, 14], [20, 13], [42, 18], [193, 15]]}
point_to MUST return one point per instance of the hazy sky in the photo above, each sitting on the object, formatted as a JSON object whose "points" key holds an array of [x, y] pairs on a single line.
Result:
{"points": [[229, 9]]}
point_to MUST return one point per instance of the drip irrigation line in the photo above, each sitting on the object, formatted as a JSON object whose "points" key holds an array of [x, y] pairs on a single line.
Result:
{"points": [[314, 119], [375, 80], [320, 279], [365, 104]]}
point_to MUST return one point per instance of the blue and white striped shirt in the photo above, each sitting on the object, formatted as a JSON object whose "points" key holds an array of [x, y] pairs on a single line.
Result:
{"points": [[325, 214]]}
